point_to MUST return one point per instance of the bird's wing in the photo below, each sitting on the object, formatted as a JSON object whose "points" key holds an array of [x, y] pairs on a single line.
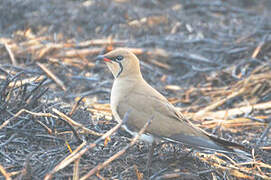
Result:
{"points": [[167, 122], [145, 103]]}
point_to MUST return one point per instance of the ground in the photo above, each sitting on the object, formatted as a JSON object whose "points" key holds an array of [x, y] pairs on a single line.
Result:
{"points": [[211, 59]]}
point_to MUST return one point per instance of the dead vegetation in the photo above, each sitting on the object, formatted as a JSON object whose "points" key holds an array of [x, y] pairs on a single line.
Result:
{"points": [[56, 120]]}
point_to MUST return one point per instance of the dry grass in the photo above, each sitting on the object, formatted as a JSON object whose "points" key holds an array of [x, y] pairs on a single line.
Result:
{"points": [[56, 120]]}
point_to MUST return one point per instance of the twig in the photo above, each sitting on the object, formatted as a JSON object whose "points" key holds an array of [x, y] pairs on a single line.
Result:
{"points": [[184, 175], [118, 154], [75, 106], [237, 111], [160, 64], [5, 173], [74, 123], [50, 131], [267, 148], [77, 52], [265, 132], [11, 55], [30, 112], [137, 51], [26, 173], [220, 102], [257, 50], [52, 76], [100, 42], [77, 154], [46, 50], [76, 169], [76, 150]]}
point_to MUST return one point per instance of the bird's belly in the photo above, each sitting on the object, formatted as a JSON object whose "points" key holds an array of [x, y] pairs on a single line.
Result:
{"points": [[144, 137]]}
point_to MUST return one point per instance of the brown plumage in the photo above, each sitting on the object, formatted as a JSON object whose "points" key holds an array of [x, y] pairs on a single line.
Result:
{"points": [[131, 92]]}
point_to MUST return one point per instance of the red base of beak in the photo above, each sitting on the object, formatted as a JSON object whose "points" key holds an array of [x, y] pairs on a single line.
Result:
{"points": [[107, 60]]}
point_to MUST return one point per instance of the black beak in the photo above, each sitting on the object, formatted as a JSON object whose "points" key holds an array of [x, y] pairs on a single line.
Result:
{"points": [[103, 58], [99, 58]]}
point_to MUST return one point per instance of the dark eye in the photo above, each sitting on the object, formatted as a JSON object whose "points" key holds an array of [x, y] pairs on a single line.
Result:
{"points": [[119, 58]]}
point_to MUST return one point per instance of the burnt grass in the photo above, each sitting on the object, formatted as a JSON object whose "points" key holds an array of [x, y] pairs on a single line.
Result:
{"points": [[183, 43]]}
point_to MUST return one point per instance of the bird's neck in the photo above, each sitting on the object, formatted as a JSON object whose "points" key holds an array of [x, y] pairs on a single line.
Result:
{"points": [[126, 83], [131, 78]]}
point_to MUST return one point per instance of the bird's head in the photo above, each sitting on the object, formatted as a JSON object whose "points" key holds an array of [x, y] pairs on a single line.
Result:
{"points": [[121, 62]]}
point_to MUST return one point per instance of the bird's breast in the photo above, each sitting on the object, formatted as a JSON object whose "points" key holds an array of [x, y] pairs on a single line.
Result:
{"points": [[120, 91]]}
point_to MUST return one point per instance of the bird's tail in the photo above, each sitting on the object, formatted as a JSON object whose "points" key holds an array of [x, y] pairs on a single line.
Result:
{"points": [[210, 142], [202, 139], [224, 143], [229, 146]]}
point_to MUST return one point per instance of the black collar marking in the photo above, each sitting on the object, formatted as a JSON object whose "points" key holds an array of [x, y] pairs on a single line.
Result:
{"points": [[121, 68], [119, 63]]}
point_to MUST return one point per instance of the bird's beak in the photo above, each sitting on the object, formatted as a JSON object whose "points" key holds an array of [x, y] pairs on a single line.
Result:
{"points": [[103, 58]]}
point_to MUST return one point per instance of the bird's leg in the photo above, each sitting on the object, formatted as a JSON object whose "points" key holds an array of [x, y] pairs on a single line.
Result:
{"points": [[150, 155], [174, 151]]}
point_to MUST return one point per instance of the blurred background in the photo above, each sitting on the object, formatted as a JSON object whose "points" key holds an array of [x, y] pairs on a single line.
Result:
{"points": [[189, 36], [211, 59]]}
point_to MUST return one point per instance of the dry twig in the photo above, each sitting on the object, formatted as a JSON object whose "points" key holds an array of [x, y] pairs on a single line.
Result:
{"points": [[77, 154], [76, 124], [29, 112], [4, 173], [11, 55], [118, 154], [52, 76]]}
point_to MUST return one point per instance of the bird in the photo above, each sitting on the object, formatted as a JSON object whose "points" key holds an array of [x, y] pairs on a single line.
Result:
{"points": [[130, 92]]}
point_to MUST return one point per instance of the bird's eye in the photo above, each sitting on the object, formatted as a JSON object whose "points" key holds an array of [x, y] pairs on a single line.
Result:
{"points": [[119, 58]]}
